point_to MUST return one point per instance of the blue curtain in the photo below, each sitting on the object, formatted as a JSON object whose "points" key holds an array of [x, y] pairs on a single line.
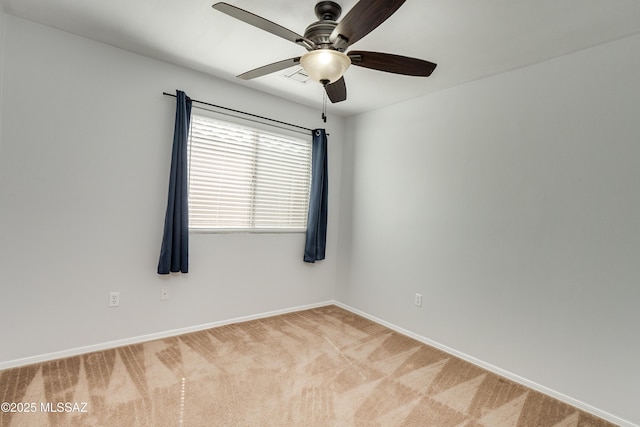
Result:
{"points": [[174, 254], [317, 220]]}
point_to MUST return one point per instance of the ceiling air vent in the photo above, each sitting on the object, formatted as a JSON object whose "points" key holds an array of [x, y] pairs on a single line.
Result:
{"points": [[298, 74]]}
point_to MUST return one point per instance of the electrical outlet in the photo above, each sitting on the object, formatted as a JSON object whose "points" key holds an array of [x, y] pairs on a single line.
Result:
{"points": [[164, 293], [114, 299], [418, 300]]}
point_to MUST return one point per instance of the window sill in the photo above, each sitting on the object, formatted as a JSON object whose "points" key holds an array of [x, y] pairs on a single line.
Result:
{"points": [[247, 231]]}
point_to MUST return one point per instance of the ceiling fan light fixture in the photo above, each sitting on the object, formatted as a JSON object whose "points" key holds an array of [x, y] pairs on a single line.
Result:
{"points": [[325, 65]]}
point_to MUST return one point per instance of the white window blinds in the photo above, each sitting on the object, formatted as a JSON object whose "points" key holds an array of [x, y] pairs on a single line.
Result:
{"points": [[246, 179]]}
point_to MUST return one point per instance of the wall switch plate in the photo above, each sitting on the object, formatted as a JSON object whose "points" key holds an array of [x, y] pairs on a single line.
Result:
{"points": [[114, 299], [418, 300], [164, 293]]}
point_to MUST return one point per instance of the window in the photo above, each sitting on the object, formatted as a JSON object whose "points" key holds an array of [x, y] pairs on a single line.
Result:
{"points": [[246, 179]]}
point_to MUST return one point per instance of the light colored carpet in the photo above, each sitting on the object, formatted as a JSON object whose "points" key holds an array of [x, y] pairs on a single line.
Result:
{"points": [[319, 367]]}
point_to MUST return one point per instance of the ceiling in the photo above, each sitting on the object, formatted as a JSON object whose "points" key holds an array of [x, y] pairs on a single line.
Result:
{"points": [[468, 39]]}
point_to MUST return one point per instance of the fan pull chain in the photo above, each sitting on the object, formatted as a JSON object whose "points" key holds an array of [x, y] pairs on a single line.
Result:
{"points": [[324, 106]]}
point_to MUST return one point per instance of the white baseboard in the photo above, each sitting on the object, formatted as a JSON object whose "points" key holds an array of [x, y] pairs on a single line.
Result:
{"points": [[489, 367], [150, 337]]}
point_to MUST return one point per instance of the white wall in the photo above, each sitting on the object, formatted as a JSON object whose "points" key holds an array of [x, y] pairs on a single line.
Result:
{"points": [[513, 205], [84, 172], [1, 63]]}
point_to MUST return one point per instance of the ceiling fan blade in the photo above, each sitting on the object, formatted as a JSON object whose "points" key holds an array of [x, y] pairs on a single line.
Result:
{"points": [[268, 69], [337, 91], [392, 63], [259, 22], [363, 18]]}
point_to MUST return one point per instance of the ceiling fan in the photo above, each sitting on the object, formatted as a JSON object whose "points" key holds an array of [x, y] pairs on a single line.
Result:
{"points": [[326, 41]]}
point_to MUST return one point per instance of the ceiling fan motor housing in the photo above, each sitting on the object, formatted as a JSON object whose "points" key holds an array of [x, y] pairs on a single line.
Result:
{"points": [[319, 32]]}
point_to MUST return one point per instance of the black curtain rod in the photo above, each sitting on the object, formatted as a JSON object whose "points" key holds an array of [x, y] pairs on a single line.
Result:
{"points": [[242, 112]]}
